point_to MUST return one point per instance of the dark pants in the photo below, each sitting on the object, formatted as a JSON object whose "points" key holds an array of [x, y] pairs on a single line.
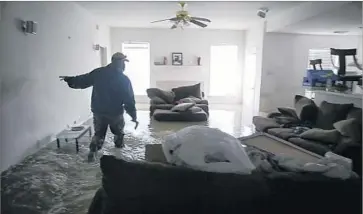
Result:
{"points": [[101, 123]]}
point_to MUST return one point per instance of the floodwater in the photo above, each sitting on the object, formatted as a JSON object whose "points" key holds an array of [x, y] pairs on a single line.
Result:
{"points": [[60, 181]]}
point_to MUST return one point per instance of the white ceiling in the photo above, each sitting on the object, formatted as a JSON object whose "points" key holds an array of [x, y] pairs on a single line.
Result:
{"points": [[346, 18], [224, 15]]}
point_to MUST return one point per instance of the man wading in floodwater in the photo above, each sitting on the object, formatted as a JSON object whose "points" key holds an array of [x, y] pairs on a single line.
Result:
{"points": [[112, 92]]}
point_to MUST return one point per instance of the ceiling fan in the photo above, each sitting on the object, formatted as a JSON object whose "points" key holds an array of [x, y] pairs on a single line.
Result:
{"points": [[183, 18]]}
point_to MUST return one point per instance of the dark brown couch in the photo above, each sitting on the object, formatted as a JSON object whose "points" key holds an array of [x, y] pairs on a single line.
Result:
{"points": [[161, 103], [148, 188], [329, 127]]}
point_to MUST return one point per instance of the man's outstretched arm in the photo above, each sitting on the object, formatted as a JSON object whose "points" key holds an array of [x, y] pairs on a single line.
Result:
{"points": [[81, 81], [129, 101]]}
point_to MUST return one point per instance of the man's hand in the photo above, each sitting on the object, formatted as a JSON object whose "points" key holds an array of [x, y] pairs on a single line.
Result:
{"points": [[64, 78], [68, 80], [136, 123]]}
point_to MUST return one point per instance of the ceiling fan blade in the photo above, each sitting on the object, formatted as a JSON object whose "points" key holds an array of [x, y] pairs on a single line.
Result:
{"points": [[200, 24], [160, 20], [171, 19], [201, 19]]}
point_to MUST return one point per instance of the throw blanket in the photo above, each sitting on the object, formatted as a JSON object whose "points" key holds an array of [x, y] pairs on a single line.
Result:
{"points": [[206, 149], [267, 163]]}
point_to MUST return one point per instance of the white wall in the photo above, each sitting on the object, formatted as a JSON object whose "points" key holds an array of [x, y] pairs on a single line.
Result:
{"points": [[285, 60], [191, 42], [34, 103]]}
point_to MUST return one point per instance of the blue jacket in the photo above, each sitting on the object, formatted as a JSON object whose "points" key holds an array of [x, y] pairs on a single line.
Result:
{"points": [[112, 91]]}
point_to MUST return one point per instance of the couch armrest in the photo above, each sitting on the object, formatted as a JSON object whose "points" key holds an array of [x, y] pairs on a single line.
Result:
{"points": [[352, 151]]}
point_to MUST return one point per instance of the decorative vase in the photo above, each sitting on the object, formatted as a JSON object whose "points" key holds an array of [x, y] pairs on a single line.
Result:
{"points": [[165, 60]]}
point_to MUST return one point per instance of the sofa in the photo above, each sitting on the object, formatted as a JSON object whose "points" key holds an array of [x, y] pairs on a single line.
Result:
{"points": [[134, 187], [320, 129], [162, 104]]}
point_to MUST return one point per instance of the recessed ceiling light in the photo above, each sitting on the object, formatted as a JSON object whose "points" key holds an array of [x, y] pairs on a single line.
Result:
{"points": [[341, 31]]}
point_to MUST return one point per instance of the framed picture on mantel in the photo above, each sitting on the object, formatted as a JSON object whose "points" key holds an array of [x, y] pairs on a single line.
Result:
{"points": [[177, 58]]}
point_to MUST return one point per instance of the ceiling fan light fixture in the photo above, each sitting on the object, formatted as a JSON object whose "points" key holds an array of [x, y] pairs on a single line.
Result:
{"points": [[183, 18]]}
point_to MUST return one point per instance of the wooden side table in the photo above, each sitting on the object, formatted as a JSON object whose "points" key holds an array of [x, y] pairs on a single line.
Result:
{"points": [[69, 134]]}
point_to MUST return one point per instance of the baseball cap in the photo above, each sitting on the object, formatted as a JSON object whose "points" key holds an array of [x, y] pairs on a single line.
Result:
{"points": [[120, 56]]}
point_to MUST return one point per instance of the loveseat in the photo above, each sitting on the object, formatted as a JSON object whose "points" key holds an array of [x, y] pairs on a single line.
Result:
{"points": [[320, 129], [134, 187], [162, 103]]}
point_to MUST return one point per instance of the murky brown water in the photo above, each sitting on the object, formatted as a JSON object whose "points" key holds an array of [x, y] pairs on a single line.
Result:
{"points": [[55, 181]]}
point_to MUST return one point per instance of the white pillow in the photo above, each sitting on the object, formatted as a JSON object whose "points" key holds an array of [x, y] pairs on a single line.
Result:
{"points": [[187, 100], [195, 99], [195, 109], [182, 107]]}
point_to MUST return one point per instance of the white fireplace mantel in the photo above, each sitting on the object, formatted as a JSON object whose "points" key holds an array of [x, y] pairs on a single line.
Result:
{"points": [[175, 73]]}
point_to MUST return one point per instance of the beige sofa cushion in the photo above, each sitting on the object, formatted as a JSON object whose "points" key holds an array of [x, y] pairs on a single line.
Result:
{"points": [[325, 136]]}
